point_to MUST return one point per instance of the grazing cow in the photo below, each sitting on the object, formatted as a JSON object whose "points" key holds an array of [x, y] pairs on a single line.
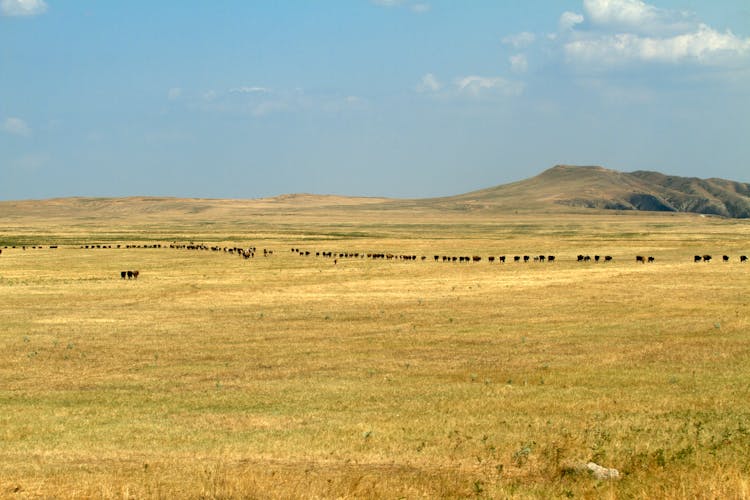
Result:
{"points": [[640, 258], [706, 258], [743, 258], [123, 274], [607, 258], [725, 258], [651, 259], [580, 258], [476, 258], [550, 258], [516, 258], [697, 258]]}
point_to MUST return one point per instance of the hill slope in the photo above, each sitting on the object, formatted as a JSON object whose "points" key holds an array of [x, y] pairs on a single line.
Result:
{"points": [[597, 187]]}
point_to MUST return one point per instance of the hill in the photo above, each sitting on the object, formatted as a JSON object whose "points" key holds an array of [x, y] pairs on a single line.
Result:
{"points": [[600, 188], [562, 188]]}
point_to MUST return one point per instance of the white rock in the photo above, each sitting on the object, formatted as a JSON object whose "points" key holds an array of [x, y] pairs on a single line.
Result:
{"points": [[602, 473]]}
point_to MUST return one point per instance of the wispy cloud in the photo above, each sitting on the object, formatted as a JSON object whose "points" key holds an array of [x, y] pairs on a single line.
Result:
{"points": [[416, 7], [22, 7], [471, 86], [520, 40], [15, 126], [519, 63], [482, 86], [429, 83], [249, 90]]}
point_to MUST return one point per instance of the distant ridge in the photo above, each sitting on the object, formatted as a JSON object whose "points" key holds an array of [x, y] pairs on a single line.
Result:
{"points": [[562, 188], [602, 188]]}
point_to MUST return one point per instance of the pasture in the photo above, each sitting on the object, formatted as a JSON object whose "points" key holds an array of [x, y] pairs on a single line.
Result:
{"points": [[215, 376]]}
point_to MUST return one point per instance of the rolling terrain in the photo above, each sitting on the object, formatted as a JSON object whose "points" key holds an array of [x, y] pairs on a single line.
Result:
{"points": [[561, 189]]}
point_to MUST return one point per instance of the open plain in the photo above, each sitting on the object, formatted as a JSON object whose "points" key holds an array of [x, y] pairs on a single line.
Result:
{"points": [[289, 375]]}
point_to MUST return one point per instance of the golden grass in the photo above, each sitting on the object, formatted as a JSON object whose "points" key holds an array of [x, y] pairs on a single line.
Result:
{"points": [[287, 376]]}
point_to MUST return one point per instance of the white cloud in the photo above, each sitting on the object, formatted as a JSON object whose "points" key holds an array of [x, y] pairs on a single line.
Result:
{"points": [[15, 126], [703, 46], [249, 90], [420, 8], [520, 40], [477, 86], [636, 16], [519, 63], [429, 84], [22, 7], [568, 21]]}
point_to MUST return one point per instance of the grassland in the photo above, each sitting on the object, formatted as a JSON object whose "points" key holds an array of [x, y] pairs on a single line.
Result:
{"points": [[287, 376]]}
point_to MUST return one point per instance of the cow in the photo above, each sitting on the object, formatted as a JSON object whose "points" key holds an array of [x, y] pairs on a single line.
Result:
{"points": [[706, 258], [697, 258], [550, 258], [525, 258], [651, 259], [607, 258], [640, 258], [502, 259], [743, 258], [596, 258], [516, 258], [725, 258], [123, 274], [491, 259]]}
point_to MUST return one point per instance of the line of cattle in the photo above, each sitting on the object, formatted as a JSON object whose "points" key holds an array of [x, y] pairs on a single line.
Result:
{"points": [[247, 253], [476, 258]]}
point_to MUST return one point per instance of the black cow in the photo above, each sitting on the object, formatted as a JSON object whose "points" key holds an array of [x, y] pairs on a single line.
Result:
{"points": [[697, 258], [123, 274], [502, 259], [550, 258], [651, 259], [607, 258], [725, 258], [743, 258], [640, 258], [706, 258]]}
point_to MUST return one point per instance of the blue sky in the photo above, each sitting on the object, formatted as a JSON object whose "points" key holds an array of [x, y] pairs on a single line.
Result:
{"points": [[402, 98]]}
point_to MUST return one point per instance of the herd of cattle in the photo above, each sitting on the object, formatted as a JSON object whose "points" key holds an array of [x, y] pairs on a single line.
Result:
{"points": [[250, 252]]}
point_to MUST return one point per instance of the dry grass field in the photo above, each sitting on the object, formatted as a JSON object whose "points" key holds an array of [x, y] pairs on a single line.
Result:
{"points": [[286, 376]]}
